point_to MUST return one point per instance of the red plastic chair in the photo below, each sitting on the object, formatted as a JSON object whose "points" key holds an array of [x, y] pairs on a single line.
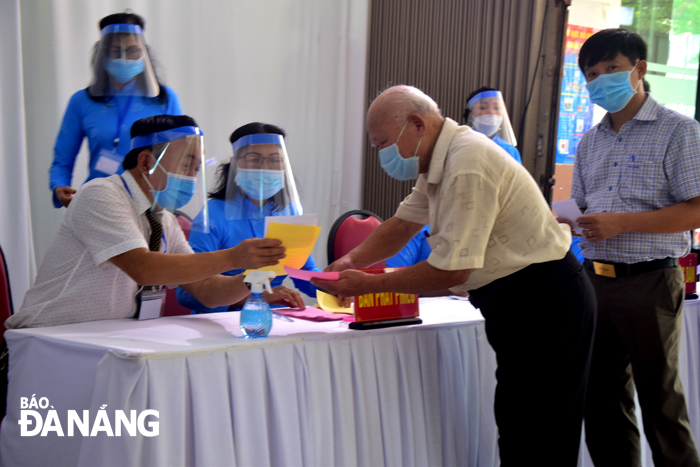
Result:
{"points": [[172, 307], [5, 295], [348, 231], [185, 223]]}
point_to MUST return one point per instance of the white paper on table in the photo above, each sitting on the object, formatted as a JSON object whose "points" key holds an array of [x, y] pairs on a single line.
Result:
{"points": [[304, 219], [569, 210]]}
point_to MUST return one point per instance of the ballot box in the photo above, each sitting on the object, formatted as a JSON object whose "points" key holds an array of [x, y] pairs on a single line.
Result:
{"points": [[384, 309]]}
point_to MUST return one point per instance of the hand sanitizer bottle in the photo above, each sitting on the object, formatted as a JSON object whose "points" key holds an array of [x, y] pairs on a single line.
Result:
{"points": [[256, 316]]}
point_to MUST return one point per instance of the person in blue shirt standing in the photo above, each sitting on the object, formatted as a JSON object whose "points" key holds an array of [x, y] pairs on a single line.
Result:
{"points": [[256, 183], [124, 89], [486, 113]]}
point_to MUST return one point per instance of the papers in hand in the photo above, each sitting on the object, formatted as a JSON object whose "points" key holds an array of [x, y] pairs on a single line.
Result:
{"points": [[569, 210], [308, 275], [298, 235]]}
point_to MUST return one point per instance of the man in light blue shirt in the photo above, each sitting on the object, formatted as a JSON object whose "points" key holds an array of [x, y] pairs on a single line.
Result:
{"points": [[637, 179]]}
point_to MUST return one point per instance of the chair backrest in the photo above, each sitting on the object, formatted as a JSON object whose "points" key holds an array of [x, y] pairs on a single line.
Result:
{"points": [[185, 225], [172, 307], [348, 231], [185, 222], [5, 294]]}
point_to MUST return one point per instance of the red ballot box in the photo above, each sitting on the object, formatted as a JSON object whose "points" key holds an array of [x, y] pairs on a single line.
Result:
{"points": [[689, 263], [384, 309]]}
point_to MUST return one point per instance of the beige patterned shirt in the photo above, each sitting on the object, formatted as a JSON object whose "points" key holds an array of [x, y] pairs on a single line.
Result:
{"points": [[76, 281], [485, 211]]}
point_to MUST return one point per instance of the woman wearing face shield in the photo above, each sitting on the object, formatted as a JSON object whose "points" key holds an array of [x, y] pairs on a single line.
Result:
{"points": [[487, 114], [256, 183], [124, 88]]}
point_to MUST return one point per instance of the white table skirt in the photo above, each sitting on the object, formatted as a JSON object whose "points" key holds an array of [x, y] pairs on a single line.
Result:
{"points": [[311, 394]]}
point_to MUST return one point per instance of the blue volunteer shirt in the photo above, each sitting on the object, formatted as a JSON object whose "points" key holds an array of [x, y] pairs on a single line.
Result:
{"points": [[97, 121], [227, 233], [509, 148]]}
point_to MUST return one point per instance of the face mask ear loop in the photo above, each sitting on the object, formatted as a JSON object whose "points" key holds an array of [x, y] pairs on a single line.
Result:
{"points": [[401, 132], [150, 172], [415, 154]]}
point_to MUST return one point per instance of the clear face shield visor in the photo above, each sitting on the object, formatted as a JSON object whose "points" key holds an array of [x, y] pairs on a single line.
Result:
{"points": [[260, 180], [121, 65], [176, 178], [488, 115]]}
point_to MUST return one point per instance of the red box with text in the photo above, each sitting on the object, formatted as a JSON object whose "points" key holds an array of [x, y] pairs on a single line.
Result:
{"points": [[385, 308]]}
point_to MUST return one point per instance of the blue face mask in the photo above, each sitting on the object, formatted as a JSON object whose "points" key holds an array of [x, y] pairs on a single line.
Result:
{"points": [[396, 166], [178, 191], [260, 184], [612, 91], [124, 70]]}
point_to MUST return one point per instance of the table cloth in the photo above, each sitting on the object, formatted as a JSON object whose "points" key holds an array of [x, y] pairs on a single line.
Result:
{"points": [[310, 394]]}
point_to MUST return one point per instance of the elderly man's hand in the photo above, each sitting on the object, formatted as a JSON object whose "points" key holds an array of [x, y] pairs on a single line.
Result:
{"points": [[340, 264], [351, 283], [601, 226], [64, 194], [256, 253], [283, 295]]}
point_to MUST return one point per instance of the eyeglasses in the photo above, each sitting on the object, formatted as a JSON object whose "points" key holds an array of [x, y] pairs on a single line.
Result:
{"points": [[256, 161], [130, 53]]}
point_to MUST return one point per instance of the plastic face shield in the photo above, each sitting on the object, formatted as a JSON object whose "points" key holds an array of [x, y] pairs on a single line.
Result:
{"points": [[177, 178], [260, 180], [121, 65], [488, 115]]}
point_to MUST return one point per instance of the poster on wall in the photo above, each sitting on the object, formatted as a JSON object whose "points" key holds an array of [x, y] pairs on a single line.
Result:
{"points": [[575, 107]]}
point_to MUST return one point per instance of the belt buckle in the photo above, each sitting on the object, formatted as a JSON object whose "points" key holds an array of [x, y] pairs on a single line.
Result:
{"points": [[602, 269]]}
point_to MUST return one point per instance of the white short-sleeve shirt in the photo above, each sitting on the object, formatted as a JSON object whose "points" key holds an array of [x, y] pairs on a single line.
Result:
{"points": [[76, 281], [485, 211]]}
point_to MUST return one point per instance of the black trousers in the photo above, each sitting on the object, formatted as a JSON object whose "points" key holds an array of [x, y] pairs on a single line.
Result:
{"points": [[540, 321]]}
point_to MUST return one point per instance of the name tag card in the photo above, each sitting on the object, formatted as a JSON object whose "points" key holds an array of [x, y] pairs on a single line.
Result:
{"points": [[149, 304]]}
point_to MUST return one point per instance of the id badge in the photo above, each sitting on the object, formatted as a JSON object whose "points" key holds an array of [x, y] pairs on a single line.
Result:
{"points": [[109, 162], [149, 304]]}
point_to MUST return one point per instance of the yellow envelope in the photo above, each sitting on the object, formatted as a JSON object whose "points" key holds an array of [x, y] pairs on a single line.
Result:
{"points": [[299, 240], [328, 302]]}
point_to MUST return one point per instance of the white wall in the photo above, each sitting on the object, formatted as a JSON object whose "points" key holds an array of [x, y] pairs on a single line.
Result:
{"points": [[299, 64]]}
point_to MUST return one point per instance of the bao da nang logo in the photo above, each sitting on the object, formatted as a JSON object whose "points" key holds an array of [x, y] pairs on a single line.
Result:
{"points": [[33, 423]]}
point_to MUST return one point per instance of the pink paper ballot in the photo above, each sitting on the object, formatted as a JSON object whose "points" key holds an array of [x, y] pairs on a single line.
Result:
{"points": [[308, 275]]}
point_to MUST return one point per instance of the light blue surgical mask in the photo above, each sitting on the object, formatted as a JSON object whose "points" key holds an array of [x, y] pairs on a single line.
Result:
{"points": [[612, 91], [178, 191], [260, 184], [124, 70], [396, 166]]}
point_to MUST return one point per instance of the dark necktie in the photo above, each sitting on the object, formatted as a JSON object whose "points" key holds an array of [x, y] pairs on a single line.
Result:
{"points": [[156, 231]]}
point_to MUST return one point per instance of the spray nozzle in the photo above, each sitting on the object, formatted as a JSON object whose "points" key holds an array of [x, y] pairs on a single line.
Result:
{"points": [[258, 279]]}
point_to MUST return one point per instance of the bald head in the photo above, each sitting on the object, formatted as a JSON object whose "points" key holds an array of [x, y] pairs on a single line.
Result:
{"points": [[398, 102], [408, 117]]}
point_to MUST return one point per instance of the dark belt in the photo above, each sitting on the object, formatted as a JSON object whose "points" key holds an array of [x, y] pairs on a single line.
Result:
{"points": [[608, 269]]}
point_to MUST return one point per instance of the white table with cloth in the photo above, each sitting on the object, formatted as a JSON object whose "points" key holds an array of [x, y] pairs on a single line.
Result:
{"points": [[310, 394]]}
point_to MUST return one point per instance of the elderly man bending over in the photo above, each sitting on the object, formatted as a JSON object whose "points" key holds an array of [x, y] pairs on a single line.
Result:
{"points": [[493, 236]]}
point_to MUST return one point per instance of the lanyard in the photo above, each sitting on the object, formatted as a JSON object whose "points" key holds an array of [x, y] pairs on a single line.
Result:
{"points": [[162, 236], [121, 115]]}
